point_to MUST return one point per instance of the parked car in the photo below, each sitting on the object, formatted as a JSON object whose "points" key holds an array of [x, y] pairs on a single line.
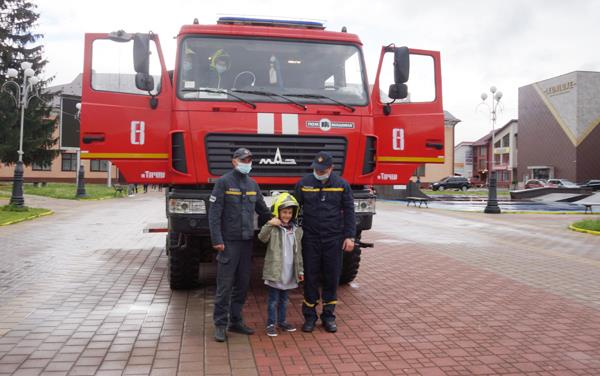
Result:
{"points": [[594, 184], [563, 183], [535, 183], [451, 182]]}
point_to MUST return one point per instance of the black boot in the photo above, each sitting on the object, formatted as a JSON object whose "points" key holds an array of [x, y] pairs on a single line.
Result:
{"points": [[220, 335], [330, 325], [240, 327], [308, 326]]}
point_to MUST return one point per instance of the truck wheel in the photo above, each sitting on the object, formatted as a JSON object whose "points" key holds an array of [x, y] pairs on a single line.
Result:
{"points": [[183, 263], [350, 264]]}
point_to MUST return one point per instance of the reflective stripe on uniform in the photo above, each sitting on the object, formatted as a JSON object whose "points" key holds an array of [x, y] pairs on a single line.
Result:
{"points": [[333, 189], [233, 193], [306, 189], [310, 305], [331, 302], [251, 193]]}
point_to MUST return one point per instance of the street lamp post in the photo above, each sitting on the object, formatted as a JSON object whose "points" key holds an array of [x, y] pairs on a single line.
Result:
{"points": [[492, 202], [20, 94]]}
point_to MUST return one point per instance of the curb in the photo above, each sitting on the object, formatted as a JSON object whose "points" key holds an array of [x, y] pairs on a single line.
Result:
{"points": [[578, 229], [27, 218]]}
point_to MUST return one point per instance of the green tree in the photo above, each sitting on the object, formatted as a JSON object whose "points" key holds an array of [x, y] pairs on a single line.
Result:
{"points": [[19, 43]]}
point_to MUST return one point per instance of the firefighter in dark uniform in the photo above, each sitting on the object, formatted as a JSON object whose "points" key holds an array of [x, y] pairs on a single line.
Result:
{"points": [[329, 228], [234, 200]]}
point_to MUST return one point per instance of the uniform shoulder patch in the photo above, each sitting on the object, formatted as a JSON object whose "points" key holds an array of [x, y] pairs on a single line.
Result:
{"points": [[212, 198]]}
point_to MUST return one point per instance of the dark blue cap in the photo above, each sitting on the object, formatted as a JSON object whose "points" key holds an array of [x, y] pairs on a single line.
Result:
{"points": [[242, 153], [323, 160]]}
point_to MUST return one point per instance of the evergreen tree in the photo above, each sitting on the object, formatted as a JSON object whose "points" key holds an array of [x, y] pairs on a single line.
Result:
{"points": [[17, 44]]}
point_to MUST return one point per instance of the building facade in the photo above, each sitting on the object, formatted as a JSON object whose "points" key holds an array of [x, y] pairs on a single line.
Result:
{"points": [[64, 167], [559, 136], [504, 153], [463, 159]]}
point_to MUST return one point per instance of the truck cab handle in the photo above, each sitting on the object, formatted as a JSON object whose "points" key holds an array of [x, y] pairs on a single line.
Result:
{"points": [[93, 137]]}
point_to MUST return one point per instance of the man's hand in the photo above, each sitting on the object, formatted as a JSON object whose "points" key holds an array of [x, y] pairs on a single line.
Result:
{"points": [[219, 247], [275, 221], [348, 245]]}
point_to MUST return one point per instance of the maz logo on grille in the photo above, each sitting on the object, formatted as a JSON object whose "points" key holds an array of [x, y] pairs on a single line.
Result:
{"points": [[277, 160]]}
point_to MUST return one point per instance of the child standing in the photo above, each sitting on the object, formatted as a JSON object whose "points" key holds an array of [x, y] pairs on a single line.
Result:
{"points": [[283, 260]]}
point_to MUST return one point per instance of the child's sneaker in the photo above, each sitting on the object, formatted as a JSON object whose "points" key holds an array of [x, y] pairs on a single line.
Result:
{"points": [[271, 331], [287, 327]]}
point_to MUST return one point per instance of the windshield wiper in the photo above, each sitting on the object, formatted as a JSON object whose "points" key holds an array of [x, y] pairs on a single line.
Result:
{"points": [[320, 96], [270, 94], [221, 92]]}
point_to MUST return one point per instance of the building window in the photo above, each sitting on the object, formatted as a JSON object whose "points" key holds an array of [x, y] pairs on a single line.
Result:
{"points": [[98, 165], [506, 141], [482, 151], [69, 162], [39, 167]]}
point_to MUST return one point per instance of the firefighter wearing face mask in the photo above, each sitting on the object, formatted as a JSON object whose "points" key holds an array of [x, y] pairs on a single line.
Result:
{"points": [[220, 62], [234, 200], [329, 228]]}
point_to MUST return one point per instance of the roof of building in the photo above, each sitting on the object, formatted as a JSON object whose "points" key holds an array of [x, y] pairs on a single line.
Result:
{"points": [[463, 143], [484, 140], [449, 117], [72, 88]]}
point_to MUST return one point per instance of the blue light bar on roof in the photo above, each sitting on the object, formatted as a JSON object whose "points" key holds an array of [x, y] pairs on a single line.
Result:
{"points": [[267, 22]]}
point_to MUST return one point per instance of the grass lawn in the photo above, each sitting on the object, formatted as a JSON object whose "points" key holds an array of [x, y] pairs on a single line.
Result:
{"points": [[469, 192], [62, 190], [8, 216], [588, 224]]}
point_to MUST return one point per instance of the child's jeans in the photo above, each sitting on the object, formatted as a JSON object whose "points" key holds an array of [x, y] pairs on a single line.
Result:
{"points": [[276, 304]]}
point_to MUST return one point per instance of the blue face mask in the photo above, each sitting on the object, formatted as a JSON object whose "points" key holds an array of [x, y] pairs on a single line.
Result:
{"points": [[321, 177], [244, 168]]}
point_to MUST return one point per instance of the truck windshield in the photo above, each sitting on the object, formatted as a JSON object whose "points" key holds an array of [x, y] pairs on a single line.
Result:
{"points": [[308, 71]]}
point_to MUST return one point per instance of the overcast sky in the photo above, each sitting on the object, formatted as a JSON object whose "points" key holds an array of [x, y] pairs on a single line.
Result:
{"points": [[507, 43]]}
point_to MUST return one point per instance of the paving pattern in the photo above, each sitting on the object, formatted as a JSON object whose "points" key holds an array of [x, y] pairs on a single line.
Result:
{"points": [[85, 292]]}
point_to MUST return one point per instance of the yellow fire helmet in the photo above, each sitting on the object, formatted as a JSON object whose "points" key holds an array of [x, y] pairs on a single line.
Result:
{"points": [[285, 200], [220, 55]]}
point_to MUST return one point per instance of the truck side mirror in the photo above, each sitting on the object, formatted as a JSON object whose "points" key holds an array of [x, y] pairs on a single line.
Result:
{"points": [[398, 91], [141, 53], [144, 81], [401, 65]]}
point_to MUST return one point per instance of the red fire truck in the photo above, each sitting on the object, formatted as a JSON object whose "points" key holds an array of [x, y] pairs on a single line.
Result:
{"points": [[283, 89]]}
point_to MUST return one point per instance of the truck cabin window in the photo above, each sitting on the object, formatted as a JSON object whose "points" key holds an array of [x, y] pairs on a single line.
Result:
{"points": [[211, 67], [112, 67]]}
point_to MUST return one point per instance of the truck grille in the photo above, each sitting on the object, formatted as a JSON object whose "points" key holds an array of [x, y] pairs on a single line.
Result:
{"points": [[296, 153]]}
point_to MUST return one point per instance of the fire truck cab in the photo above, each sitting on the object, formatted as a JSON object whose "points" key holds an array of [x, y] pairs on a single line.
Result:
{"points": [[284, 89]]}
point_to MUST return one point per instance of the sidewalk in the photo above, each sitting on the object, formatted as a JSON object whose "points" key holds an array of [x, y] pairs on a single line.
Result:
{"points": [[85, 292]]}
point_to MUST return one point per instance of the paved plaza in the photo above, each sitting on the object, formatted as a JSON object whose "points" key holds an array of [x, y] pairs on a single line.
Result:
{"points": [[85, 292]]}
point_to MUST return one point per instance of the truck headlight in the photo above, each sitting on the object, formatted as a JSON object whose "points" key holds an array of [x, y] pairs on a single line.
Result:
{"points": [[187, 206], [364, 205]]}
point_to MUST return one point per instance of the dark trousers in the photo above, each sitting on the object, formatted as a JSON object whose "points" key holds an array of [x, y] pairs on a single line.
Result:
{"points": [[233, 279], [276, 305], [322, 263]]}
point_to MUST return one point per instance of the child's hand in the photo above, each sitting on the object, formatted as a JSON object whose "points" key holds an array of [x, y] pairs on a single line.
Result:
{"points": [[274, 222], [301, 277]]}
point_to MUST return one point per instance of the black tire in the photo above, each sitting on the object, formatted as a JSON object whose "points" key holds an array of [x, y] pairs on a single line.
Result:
{"points": [[441, 188], [464, 188], [183, 263], [350, 265]]}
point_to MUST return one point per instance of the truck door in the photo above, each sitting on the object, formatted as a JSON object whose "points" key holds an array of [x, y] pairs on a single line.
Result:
{"points": [[126, 105], [410, 128]]}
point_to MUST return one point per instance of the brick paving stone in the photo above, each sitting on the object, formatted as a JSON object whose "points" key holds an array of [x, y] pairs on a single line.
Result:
{"points": [[473, 294]]}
